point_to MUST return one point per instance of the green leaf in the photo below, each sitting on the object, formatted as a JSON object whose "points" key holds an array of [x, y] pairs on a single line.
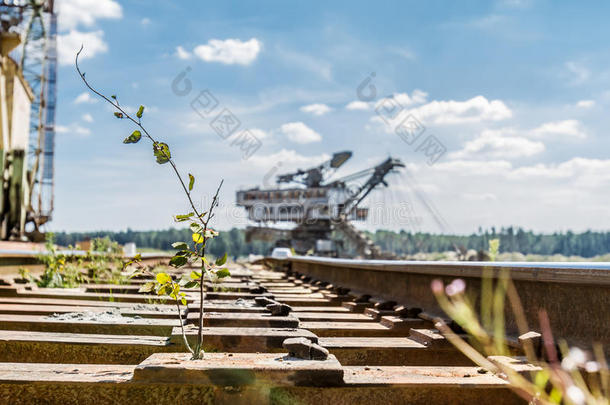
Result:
{"points": [[140, 111], [185, 217], [180, 246], [195, 275], [222, 273], [118, 115], [197, 238], [163, 278], [183, 300], [161, 152], [133, 138], [191, 181], [148, 287], [113, 96], [137, 257], [178, 261], [191, 284], [221, 260]]}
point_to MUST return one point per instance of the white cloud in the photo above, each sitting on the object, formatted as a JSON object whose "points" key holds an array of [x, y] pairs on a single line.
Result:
{"points": [[85, 13], [300, 133], [87, 118], [83, 98], [578, 72], [406, 100], [81, 130], [68, 44], [581, 171], [585, 104], [492, 144], [358, 105], [229, 51], [145, 21], [467, 168], [476, 109], [183, 54], [510, 143], [258, 133], [424, 188], [566, 128], [480, 196], [419, 96], [316, 109], [287, 160], [492, 193], [586, 171], [74, 129], [72, 13]]}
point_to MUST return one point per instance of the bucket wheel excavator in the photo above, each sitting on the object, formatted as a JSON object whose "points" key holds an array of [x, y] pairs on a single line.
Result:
{"points": [[319, 208]]}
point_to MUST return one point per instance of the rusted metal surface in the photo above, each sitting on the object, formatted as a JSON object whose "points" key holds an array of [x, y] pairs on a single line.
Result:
{"points": [[227, 369], [74, 348], [375, 357], [575, 295]]}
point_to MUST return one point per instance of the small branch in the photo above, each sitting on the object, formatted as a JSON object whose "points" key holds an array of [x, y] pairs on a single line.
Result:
{"points": [[139, 124]]}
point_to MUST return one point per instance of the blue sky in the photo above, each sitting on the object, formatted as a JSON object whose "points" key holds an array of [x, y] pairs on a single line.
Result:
{"points": [[515, 91]]}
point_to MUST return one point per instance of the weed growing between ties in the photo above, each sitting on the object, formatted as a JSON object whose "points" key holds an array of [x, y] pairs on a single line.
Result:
{"points": [[103, 262], [569, 376], [62, 269], [188, 253]]}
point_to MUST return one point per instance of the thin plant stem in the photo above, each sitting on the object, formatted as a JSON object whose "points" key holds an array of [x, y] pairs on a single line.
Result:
{"points": [[186, 343], [203, 272], [200, 217]]}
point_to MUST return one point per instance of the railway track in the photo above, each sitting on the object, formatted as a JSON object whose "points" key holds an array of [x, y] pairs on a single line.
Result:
{"points": [[104, 343]]}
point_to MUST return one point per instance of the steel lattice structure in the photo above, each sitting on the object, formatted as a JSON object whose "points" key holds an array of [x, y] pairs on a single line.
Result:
{"points": [[36, 21]]}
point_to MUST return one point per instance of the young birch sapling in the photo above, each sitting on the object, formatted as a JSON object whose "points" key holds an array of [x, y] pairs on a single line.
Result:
{"points": [[191, 253]]}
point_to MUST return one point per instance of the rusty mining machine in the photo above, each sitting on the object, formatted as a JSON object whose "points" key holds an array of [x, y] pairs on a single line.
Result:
{"points": [[319, 207], [28, 32]]}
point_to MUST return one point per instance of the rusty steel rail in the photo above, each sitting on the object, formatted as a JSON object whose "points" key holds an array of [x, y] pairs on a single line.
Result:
{"points": [[576, 296]]}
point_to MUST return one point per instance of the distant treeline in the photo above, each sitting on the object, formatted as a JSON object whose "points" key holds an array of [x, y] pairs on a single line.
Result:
{"points": [[586, 244], [233, 241]]}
